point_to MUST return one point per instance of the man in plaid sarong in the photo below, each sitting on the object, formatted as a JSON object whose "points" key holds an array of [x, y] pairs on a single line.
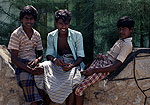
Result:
{"points": [[104, 64], [26, 51]]}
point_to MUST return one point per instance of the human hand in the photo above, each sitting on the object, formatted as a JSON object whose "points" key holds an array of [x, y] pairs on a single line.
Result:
{"points": [[67, 66], [33, 63], [88, 72], [37, 70], [59, 62]]}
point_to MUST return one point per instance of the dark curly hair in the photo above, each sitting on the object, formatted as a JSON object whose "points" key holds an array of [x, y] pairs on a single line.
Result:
{"points": [[28, 10], [65, 15], [125, 21]]}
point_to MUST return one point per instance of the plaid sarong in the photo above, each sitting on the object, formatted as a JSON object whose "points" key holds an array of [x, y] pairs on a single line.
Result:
{"points": [[100, 62], [27, 83], [58, 83]]}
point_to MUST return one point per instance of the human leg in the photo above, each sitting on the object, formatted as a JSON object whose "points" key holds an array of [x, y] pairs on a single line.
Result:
{"points": [[100, 62], [79, 100], [71, 99], [45, 97], [30, 91], [34, 103], [88, 82], [85, 84]]}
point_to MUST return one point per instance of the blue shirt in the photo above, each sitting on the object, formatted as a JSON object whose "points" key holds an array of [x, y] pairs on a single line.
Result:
{"points": [[75, 41]]}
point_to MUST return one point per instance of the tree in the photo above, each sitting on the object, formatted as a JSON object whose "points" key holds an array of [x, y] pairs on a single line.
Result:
{"points": [[83, 15], [108, 12]]}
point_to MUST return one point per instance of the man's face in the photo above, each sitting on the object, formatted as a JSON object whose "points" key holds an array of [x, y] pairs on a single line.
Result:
{"points": [[28, 21], [124, 32], [62, 27]]}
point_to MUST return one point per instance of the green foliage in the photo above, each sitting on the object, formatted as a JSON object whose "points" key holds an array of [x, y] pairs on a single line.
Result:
{"points": [[108, 12], [83, 15], [95, 19]]}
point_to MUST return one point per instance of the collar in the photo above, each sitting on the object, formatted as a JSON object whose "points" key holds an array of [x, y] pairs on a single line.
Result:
{"points": [[127, 39], [69, 32], [56, 32], [21, 29]]}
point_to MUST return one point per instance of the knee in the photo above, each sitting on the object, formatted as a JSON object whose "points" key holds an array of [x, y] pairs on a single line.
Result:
{"points": [[78, 91]]}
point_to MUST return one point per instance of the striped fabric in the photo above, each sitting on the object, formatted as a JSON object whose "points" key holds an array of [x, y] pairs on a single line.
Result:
{"points": [[27, 83], [58, 83], [30, 91], [26, 47], [100, 62]]}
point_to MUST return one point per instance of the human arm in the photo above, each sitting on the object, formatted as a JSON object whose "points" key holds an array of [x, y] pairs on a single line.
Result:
{"points": [[56, 61], [51, 52], [110, 68], [39, 58], [69, 66], [65, 66], [25, 67], [76, 45], [124, 49], [14, 47], [38, 50]]}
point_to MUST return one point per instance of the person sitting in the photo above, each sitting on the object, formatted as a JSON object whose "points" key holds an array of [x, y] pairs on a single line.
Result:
{"points": [[64, 54], [104, 64], [26, 52]]}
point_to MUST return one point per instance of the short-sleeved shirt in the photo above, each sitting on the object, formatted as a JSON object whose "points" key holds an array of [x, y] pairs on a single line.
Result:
{"points": [[75, 41], [26, 47], [121, 49]]}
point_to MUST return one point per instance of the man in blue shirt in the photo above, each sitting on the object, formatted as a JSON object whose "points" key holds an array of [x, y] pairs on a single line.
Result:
{"points": [[65, 54], [64, 41]]}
